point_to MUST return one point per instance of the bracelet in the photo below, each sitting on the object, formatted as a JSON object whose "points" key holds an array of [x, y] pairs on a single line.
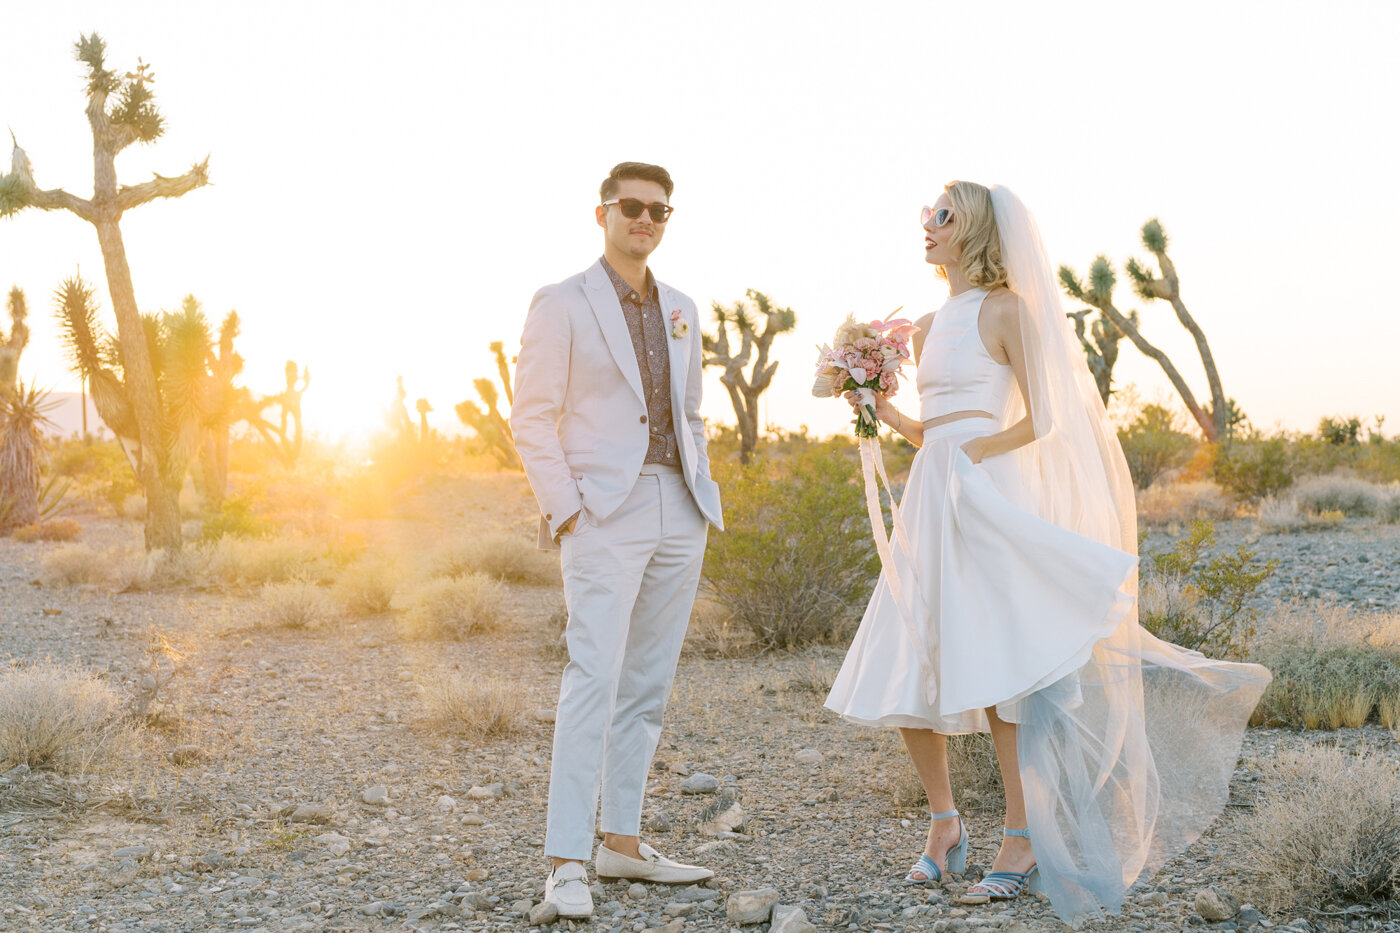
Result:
{"points": [[899, 419]]}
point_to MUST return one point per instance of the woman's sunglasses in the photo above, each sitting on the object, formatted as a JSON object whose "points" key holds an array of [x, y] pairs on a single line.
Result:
{"points": [[939, 217], [632, 209]]}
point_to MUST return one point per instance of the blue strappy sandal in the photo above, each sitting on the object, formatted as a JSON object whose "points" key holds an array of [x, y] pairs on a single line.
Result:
{"points": [[956, 857], [1005, 885]]}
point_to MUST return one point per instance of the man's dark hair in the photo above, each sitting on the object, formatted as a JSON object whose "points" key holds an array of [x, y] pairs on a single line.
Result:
{"points": [[639, 170]]}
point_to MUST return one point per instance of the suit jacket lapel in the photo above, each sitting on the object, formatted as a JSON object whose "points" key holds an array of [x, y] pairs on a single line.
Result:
{"points": [[676, 349], [608, 310]]}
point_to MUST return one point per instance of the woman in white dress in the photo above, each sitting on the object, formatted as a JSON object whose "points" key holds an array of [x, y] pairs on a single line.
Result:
{"points": [[1009, 605]]}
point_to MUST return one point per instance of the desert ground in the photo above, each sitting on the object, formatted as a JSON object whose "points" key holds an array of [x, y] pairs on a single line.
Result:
{"points": [[294, 778]]}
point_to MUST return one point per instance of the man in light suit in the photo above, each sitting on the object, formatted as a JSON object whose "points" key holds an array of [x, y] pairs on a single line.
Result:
{"points": [[607, 422]]}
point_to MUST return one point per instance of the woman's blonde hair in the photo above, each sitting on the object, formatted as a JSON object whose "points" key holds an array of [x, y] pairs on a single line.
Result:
{"points": [[975, 234]]}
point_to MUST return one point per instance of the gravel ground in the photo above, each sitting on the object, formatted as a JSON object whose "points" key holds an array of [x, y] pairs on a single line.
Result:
{"points": [[246, 810]]}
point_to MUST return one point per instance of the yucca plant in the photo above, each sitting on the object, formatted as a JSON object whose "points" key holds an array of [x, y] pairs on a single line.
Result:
{"points": [[13, 345], [22, 414]]}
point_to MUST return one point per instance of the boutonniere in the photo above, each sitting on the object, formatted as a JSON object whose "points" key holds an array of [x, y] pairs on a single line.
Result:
{"points": [[679, 328]]}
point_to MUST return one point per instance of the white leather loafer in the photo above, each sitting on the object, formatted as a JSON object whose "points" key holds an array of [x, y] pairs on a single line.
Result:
{"points": [[567, 889], [652, 866]]}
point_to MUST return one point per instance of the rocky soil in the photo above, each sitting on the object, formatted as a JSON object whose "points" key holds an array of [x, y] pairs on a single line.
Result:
{"points": [[295, 784]]}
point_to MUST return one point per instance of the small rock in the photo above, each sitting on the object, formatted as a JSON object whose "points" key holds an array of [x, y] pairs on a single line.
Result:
{"points": [[809, 756], [311, 813], [544, 715], [659, 823], [489, 792], [729, 817], [700, 783], [744, 907], [446, 803], [542, 913], [376, 795], [678, 767], [675, 926], [790, 920], [136, 852], [637, 891], [478, 874], [336, 844], [1249, 914], [473, 819], [1216, 904], [185, 754], [522, 907]]}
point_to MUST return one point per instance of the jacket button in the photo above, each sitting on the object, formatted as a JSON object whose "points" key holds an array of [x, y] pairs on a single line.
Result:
{"points": [[549, 518], [644, 419]]}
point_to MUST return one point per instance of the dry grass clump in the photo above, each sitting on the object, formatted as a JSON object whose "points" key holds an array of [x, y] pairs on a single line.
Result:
{"points": [[1164, 503], [270, 560], [137, 570], [510, 558], [713, 634], [475, 706], [1333, 667], [59, 718], [1326, 829], [1354, 498], [296, 604], [972, 767], [76, 563], [1285, 514], [57, 529], [368, 585], [454, 607]]}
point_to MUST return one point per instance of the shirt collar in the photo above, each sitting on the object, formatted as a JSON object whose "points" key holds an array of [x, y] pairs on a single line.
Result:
{"points": [[624, 290]]}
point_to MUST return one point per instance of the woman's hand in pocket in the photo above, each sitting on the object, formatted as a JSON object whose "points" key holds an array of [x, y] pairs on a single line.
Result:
{"points": [[976, 449]]}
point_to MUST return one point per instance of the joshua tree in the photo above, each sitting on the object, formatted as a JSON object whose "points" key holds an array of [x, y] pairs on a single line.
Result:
{"points": [[12, 346], [132, 117], [745, 388], [227, 402], [287, 448], [1097, 292], [1100, 347], [22, 412], [397, 416], [423, 409], [491, 425]]}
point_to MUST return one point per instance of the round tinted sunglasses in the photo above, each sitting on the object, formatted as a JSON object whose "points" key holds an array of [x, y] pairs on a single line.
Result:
{"points": [[939, 217], [632, 209]]}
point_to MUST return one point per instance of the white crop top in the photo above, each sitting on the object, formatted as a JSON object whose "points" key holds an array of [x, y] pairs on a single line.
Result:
{"points": [[956, 373]]}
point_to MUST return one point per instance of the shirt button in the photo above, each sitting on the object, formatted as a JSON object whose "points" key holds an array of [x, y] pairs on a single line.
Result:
{"points": [[644, 419]]}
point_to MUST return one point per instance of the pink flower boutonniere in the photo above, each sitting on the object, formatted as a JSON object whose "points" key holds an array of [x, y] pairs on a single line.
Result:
{"points": [[679, 328]]}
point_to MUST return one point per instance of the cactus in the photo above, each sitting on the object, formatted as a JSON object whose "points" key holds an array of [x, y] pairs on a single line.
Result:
{"points": [[746, 388], [491, 425], [121, 110]]}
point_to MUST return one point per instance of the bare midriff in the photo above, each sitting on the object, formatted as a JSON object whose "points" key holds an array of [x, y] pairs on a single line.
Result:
{"points": [[955, 416]]}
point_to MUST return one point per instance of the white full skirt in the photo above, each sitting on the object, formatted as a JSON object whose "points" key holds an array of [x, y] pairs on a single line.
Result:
{"points": [[1126, 743]]}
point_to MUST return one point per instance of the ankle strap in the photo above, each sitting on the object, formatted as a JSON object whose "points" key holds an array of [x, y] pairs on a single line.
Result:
{"points": [[1023, 833], [946, 815]]}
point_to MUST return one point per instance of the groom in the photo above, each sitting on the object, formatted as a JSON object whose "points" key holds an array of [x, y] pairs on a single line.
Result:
{"points": [[606, 419]]}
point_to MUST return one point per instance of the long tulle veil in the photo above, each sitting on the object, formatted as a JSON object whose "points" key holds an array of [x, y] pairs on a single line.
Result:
{"points": [[1126, 761]]}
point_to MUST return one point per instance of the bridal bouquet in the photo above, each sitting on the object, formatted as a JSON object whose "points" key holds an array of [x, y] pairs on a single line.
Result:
{"points": [[865, 358]]}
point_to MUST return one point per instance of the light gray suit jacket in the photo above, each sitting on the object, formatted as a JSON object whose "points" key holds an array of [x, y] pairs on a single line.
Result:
{"points": [[579, 414]]}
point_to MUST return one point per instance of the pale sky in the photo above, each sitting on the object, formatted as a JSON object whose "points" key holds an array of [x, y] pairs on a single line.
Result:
{"points": [[392, 182]]}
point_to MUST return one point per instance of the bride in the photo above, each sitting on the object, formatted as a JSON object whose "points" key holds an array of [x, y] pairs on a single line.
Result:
{"points": [[1009, 604]]}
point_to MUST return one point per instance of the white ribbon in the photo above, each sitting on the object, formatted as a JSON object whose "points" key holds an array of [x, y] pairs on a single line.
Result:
{"points": [[872, 466]]}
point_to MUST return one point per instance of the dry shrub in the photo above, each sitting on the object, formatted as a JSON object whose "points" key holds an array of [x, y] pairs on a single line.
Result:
{"points": [[713, 634], [60, 718], [1165, 503], [455, 607], [1334, 667], [296, 604], [1354, 498], [57, 529], [136, 570], [1285, 514], [1326, 829], [510, 558], [133, 507], [973, 770], [816, 679], [270, 560], [76, 563], [475, 706], [367, 586]]}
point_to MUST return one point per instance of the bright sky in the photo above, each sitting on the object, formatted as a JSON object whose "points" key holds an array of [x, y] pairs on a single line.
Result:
{"points": [[392, 181]]}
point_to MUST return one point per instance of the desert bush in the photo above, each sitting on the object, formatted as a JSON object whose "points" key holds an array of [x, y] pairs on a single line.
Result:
{"points": [[272, 560], [1326, 829], [235, 517], [75, 563], [1250, 468], [136, 570], [476, 706], [1283, 515], [455, 606], [796, 563], [714, 634], [367, 586], [511, 558], [1202, 602], [1164, 503], [973, 770], [296, 604], [59, 718], [58, 529], [1340, 431], [1154, 443], [1354, 498], [1390, 506], [1328, 685]]}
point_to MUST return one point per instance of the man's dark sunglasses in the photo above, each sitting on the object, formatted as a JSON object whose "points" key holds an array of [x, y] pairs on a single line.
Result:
{"points": [[632, 209]]}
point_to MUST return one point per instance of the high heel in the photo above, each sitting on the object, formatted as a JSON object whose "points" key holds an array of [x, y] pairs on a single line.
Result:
{"points": [[956, 857], [1005, 885]]}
